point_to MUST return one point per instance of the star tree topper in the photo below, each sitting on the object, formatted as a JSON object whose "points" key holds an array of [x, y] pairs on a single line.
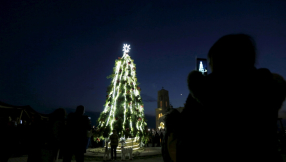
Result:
{"points": [[126, 48]]}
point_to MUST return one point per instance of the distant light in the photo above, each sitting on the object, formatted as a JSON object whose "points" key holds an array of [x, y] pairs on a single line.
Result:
{"points": [[181, 94]]}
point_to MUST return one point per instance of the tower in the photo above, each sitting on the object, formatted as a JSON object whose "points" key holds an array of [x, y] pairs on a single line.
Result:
{"points": [[163, 105], [163, 100]]}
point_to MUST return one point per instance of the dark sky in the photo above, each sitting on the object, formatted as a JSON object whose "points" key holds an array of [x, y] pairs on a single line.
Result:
{"points": [[58, 54]]}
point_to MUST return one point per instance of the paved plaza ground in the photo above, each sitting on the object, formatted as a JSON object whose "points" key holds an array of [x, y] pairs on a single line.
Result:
{"points": [[146, 154]]}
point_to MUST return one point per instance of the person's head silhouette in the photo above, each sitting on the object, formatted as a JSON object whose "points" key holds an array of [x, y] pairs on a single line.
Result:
{"points": [[58, 114], [232, 52], [80, 110]]}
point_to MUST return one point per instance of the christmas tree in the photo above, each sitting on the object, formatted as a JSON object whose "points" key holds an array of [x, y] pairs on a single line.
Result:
{"points": [[123, 109], [201, 69]]}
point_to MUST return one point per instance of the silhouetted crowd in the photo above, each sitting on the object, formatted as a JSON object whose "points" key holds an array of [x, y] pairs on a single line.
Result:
{"points": [[230, 114], [60, 137], [156, 137], [9, 136]]}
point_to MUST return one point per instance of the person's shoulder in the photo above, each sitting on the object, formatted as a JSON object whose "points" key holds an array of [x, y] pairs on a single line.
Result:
{"points": [[195, 78], [171, 116], [263, 72], [190, 100], [263, 75], [172, 113]]}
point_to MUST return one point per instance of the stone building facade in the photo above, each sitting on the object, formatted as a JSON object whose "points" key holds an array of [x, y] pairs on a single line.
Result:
{"points": [[163, 105]]}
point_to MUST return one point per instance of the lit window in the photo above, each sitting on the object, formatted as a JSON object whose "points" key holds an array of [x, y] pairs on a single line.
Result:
{"points": [[161, 104]]}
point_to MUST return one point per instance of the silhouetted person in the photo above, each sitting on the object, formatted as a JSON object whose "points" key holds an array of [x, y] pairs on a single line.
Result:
{"points": [[150, 137], [47, 137], [89, 134], [8, 138], [113, 144], [56, 143], [161, 137], [173, 128], [92, 140], [153, 138], [36, 140], [157, 139], [24, 131], [77, 127], [147, 141], [233, 111]]}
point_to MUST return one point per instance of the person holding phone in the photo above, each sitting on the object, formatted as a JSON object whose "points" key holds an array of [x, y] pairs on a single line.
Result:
{"points": [[232, 111]]}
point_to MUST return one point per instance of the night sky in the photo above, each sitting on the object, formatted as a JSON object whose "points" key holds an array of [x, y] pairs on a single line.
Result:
{"points": [[58, 53]]}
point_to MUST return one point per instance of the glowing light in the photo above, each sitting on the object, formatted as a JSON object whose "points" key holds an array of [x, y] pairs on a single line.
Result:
{"points": [[126, 48], [162, 125], [141, 126], [201, 69], [135, 148], [137, 125], [114, 90], [131, 107]]}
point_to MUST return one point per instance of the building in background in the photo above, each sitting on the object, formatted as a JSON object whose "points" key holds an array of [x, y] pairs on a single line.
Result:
{"points": [[163, 106], [20, 114]]}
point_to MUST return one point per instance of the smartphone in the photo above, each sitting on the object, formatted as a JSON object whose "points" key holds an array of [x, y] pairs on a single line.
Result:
{"points": [[201, 65], [20, 121]]}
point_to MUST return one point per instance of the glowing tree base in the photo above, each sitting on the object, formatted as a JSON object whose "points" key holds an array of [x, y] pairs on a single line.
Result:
{"points": [[130, 142]]}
